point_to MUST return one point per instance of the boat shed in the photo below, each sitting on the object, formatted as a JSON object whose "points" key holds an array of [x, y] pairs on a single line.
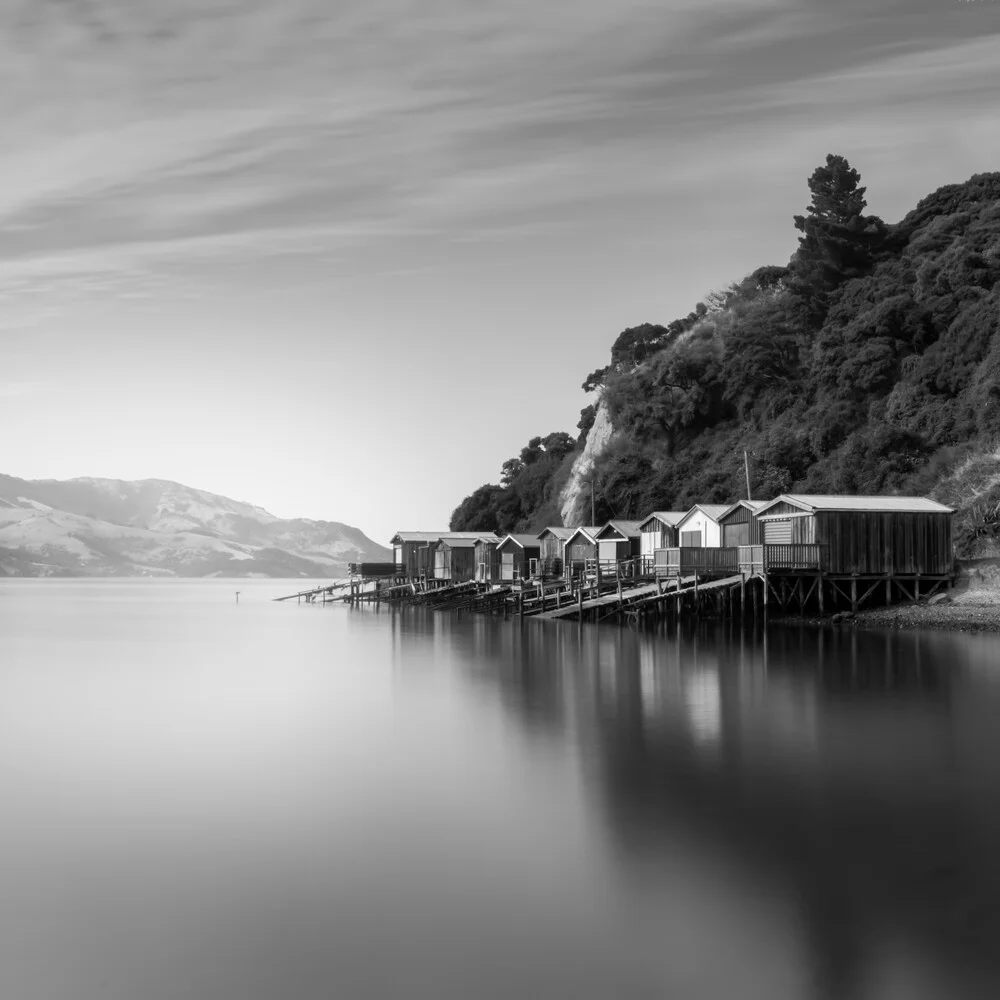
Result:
{"points": [[487, 560], [552, 541], [579, 547], [659, 531], [618, 541], [518, 555], [455, 559], [700, 528], [864, 535], [740, 525]]}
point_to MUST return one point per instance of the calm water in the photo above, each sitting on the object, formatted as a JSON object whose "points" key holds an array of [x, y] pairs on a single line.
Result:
{"points": [[210, 801]]}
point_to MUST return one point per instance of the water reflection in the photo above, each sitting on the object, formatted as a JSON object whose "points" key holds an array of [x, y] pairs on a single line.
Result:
{"points": [[850, 772]]}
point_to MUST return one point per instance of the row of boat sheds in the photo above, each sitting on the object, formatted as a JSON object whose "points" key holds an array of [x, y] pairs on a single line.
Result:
{"points": [[796, 552]]}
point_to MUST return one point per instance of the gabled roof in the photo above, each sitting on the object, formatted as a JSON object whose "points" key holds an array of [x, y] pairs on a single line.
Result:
{"points": [[713, 511], [625, 529], [669, 518], [589, 530], [561, 533], [751, 505], [521, 541], [812, 503], [458, 543]]}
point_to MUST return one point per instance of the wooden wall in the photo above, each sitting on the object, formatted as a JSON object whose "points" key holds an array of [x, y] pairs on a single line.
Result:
{"points": [[904, 543], [741, 527]]}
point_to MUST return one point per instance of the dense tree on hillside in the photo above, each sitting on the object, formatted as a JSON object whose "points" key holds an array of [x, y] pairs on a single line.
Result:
{"points": [[838, 239], [870, 364]]}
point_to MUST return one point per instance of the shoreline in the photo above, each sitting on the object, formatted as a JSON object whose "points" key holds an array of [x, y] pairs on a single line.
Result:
{"points": [[965, 609]]}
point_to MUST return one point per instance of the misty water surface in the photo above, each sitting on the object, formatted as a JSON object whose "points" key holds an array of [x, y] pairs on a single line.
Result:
{"points": [[210, 800]]}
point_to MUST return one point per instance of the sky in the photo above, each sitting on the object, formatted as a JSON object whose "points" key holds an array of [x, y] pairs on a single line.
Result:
{"points": [[343, 260]]}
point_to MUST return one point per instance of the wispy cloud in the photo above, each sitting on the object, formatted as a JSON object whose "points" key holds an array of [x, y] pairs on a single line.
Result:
{"points": [[208, 129]]}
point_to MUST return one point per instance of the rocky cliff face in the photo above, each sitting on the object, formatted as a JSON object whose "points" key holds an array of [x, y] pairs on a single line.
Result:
{"points": [[110, 527], [575, 497]]}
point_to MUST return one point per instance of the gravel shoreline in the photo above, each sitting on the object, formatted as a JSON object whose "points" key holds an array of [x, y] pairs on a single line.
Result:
{"points": [[970, 610]]}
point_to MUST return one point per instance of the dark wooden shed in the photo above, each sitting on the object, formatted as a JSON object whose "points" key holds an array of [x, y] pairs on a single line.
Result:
{"points": [[739, 523], [864, 536], [552, 542], [518, 556], [580, 546], [455, 559], [487, 560]]}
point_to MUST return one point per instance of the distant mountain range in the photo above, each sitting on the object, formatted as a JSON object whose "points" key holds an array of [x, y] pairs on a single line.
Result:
{"points": [[110, 527]]}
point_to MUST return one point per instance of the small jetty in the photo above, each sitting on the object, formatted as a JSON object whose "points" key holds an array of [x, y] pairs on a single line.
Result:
{"points": [[797, 553]]}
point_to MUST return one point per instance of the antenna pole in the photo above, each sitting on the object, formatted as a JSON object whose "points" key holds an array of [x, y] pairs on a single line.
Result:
{"points": [[593, 507], [746, 469]]}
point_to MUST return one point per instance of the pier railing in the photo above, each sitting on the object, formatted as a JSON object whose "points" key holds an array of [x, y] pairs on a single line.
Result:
{"points": [[686, 560], [762, 558]]}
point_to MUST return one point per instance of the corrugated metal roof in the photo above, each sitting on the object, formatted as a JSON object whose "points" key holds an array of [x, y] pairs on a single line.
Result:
{"points": [[667, 517], [524, 541], [811, 502], [561, 533], [627, 529]]}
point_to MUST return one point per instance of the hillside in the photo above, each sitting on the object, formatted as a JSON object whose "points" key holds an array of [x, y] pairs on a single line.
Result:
{"points": [[109, 527], [868, 364]]}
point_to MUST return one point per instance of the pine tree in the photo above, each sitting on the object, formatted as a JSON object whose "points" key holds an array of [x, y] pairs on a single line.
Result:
{"points": [[838, 238]]}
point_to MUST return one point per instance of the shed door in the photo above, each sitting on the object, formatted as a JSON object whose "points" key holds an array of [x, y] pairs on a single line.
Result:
{"points": [[778, 532], [690, 540], [507, 566]]}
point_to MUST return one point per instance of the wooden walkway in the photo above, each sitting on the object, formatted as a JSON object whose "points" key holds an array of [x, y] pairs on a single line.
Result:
{"points": [[628, 596]]}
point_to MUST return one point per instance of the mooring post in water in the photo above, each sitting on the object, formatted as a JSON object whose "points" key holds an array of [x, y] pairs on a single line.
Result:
{"points": [[237, 597]]}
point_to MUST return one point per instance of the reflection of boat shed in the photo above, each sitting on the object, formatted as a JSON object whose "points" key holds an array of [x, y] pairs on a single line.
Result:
{"points": [[517, 553], [739, 523], [699, 527], [552, 542], [859, 536]]}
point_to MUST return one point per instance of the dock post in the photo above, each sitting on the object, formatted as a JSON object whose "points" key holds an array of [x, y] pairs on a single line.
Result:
{"points": [[765, 601], [579, 602], [520, 604], [854, 594]]}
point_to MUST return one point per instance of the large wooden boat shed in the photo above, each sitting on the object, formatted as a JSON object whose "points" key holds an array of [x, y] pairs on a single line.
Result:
{"points": [[864, 536], [455, 559]]}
